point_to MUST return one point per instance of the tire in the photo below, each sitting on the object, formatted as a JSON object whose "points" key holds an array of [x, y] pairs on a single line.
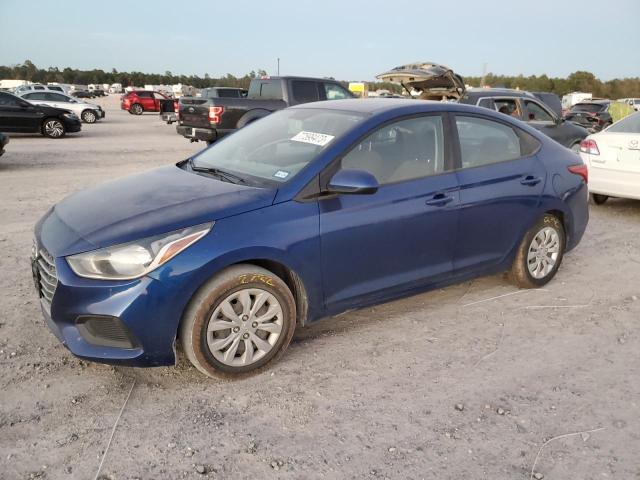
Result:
{"points": [[599, 199], [539, 254], [89, 116], [228, 300], [53, 128], [136, 109]]}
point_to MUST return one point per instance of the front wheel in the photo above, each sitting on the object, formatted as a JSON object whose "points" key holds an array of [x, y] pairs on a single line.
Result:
{"points": [[53, 128], [599, 199], [240, 321], [539, 254], [89, 116], [136, 109]]}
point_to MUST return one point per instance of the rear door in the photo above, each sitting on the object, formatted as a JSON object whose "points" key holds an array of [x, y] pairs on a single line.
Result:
{"points": [[146, 100], [401, 237], [501, 181], [17, 115]]}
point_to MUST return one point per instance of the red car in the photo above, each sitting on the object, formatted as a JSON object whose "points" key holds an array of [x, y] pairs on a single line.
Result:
{"points": [[140, 101]]}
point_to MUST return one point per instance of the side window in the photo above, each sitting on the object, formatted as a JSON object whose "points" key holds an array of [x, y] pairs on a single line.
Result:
{"points": [[144, 94], [483, 141], [304, 91], [403, 150], [536, 113], [8, 100], [56, 97], [335, 92], [36, 96], [508, 106], [38, 87], [486, 103]]}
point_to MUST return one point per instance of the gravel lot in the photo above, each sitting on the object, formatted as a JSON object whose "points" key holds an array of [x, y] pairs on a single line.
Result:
{"points": [[451, 384]]}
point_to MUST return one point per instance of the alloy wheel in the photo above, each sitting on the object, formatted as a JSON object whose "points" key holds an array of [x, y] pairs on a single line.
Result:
{"points": [[54, 128], [89, 117], [244, 327], [543, 252]]}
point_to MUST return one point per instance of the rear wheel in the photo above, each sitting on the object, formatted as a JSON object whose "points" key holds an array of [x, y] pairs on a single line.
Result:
{"points": [[240, 321], [599, 199], [89, 116], [136, 109], [540, 253], [53, 128]]}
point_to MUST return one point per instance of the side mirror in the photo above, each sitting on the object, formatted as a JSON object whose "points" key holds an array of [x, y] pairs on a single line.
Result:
{"points": [[353, 182]]}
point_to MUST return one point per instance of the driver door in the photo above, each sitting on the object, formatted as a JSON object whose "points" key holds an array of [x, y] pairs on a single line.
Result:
{"points": [[17, 115], [378, 246]]}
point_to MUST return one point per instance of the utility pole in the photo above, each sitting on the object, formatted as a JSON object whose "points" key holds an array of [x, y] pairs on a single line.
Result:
{"points": [[484, 74], [278, 66]]}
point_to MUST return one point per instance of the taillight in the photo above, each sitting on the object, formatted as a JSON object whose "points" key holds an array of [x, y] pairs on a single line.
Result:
{"points": [[176, 108], [580, 170], [214, 113], [589, 146]]}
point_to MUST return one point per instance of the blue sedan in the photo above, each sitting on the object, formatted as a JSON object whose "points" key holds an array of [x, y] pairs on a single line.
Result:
{"points": [[309, 212]]}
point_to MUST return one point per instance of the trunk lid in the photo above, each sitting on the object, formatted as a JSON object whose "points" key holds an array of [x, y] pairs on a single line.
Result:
{"points": [[618, 151], [433, 80]]}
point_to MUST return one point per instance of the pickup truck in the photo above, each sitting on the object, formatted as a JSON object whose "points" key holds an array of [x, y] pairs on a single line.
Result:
{"points": [[169, 110], [209, 119]]}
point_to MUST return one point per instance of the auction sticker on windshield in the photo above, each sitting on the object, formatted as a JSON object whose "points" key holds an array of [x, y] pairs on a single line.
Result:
{"points": [[319, 139]]}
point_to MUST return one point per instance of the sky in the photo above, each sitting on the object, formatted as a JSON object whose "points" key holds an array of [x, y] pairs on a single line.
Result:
{"points": [[347, 40]]}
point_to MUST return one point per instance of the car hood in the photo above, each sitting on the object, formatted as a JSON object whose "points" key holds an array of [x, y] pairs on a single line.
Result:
{"points": [[428, 77], [143, 205]]}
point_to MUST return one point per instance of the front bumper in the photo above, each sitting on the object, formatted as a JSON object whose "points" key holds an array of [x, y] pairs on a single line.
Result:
{"points": [[147, 310], [72, 125]]}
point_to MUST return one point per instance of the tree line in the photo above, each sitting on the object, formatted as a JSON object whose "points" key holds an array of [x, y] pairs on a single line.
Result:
{"points": [[578, 81]]}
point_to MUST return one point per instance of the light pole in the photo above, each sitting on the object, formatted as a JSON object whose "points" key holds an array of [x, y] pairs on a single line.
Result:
{"points": [[278, 66]]}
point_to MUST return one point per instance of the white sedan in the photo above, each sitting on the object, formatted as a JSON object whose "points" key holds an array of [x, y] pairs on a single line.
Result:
{"points": [[88, 112], [613, 159]]}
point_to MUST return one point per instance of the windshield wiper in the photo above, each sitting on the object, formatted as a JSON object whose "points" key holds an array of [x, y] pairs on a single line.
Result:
{"points": [[216, 172]]}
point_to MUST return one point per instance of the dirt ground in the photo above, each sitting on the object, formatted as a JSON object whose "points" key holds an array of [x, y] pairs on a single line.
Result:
{"points": [[466, 382]]}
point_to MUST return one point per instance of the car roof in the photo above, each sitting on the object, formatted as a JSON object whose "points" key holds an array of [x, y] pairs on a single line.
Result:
{"points": [[396, 105], [495, 92]]}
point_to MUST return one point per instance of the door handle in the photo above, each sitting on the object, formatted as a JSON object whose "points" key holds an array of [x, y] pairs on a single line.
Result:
{"points": [[530, 180], [439, 200]]}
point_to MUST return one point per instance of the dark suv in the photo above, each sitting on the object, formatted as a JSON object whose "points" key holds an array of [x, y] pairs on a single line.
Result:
{"points": [[528, 108], [594, 115]]}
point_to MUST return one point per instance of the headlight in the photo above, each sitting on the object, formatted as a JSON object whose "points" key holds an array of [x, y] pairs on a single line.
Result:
{"points": [[135, 259], [70, 115]]}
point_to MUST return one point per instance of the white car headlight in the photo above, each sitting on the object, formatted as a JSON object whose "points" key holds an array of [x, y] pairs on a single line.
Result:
{"points": [[135, 259]]}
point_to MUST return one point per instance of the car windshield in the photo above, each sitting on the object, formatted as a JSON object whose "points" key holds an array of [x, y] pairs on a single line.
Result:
{"points": [[630, 124], [277, 147]]}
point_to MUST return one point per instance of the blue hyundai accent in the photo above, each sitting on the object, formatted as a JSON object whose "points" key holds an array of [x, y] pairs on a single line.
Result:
{"points": [[304, 214]]}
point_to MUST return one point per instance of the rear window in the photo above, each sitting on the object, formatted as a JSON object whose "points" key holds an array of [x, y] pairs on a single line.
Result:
{"points": [[588, 107], [630, 124]]}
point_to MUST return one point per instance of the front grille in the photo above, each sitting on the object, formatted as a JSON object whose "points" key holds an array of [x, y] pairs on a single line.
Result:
{"points": [[47, 276]]}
